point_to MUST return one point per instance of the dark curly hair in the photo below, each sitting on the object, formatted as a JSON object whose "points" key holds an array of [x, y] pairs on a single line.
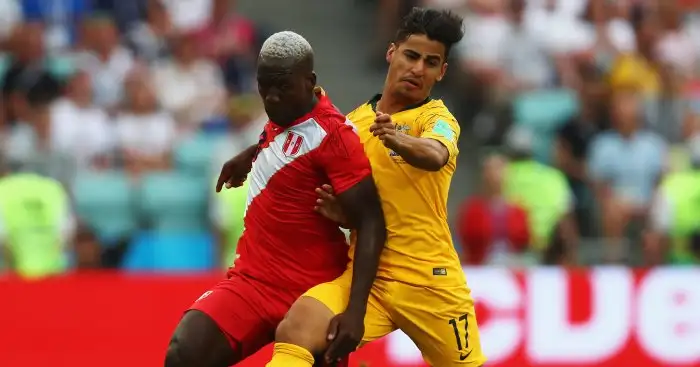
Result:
{"points": [[442, 26]]}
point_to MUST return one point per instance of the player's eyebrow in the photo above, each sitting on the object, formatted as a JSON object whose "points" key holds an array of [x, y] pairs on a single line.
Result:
{"points": [[274, 77], [431, 57], [412, 53], [437, 58]]}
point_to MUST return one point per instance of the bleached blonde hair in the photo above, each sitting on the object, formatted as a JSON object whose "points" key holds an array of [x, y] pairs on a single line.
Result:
{"points": [[286, 45]]}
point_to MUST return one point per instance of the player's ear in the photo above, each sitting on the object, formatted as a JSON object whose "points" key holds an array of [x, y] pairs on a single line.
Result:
{"points": [[312, 79], [443, 70], [390, 52]]}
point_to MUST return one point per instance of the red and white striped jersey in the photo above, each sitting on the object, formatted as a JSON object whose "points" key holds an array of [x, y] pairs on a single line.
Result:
{"points": [[286, 243]]}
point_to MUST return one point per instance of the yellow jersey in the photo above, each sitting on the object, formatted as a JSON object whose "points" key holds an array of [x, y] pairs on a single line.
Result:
{"points": [[419, 247]]}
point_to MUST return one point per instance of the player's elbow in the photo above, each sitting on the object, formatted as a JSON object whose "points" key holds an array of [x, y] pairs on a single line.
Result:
{"points": [[372, 221], [432, 159], [433, 164]]}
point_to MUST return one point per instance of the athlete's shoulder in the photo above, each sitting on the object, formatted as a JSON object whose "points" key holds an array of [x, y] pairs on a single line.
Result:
{"points": [[360, 112], [435, 108], [334, 123]]}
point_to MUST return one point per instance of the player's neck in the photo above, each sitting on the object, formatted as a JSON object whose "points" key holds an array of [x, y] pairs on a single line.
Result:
{"points": [[302, 113], [391, 103]]}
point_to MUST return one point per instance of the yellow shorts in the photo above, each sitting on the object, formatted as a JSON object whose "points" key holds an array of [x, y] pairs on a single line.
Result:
{"points": [[441, 321]]}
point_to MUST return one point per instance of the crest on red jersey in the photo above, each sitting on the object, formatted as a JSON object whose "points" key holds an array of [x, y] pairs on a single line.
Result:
{"points": [[292, 144]]}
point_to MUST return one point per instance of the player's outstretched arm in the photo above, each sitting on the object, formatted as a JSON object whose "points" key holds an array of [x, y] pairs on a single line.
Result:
{"points": [[235, 170], [428, 152], [424, 153], [363, 212]]}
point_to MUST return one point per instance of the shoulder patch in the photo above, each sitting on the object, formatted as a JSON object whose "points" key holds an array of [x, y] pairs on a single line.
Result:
{"points": [[443, 129]]}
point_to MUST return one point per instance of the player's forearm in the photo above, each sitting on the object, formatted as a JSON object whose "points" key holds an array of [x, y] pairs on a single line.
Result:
{"points": [[363, 211], [426, 154], [371, 236], [249, 153]]}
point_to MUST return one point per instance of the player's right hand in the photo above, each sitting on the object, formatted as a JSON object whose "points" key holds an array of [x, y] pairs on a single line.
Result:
{"points": [[345, 333], [234, 172], [328, 206]]}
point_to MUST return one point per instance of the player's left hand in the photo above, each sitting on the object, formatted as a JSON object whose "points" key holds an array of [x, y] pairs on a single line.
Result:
{"points": [[345, 333], [384, 128], [328, 206]]}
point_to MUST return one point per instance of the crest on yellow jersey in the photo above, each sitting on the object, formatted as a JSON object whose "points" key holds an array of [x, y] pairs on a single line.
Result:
{"points": [[402, 128]]}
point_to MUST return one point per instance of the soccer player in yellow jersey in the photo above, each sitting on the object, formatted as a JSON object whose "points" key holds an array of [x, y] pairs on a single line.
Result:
{"points": [[411, 142]]}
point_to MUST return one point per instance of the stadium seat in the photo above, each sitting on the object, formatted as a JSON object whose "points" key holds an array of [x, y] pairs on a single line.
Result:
{"points": [[170, 252], [544, 111], [61, 67], [194, 155], [105, 201], [175, 201]]}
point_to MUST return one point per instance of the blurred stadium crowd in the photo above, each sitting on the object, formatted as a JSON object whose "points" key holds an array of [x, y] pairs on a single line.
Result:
{"points": [[117, 115]]}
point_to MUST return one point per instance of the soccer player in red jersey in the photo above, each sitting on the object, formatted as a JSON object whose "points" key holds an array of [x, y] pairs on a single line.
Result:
{"points": [[287, 247]]}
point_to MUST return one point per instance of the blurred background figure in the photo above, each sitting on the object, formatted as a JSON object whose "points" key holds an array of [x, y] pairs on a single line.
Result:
{"points": [[543, 193], [230, 39], [149, 37], [598, 99], [674, 229], [36, 224], [105, 59], [190, 86], [79, 127], [33, 142], [573, 139], [580, 128], [492, 230], [146, 134], [626, 164]]}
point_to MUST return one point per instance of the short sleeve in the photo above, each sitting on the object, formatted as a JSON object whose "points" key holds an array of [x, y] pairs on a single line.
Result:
{"points": [[343, 158], [661, 213], [599, 160], [443, 129], [69, 224], [217, 213]]}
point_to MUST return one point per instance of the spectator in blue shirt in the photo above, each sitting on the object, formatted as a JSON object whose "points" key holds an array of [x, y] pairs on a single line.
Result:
{"points": [[625, 165]]}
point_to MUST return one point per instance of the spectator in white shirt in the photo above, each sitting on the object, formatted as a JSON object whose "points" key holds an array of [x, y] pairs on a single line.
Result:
{"points": [[105, 60], [146, 134], [188, 15], [30, 145], [148, 38], [676, 47], [486, 28], [189, 86], [506, 54], [10, 17], [81, 128]]}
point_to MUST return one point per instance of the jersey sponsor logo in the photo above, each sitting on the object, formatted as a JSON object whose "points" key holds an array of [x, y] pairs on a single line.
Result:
{"points": [[443, 129], [292, 144]]}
